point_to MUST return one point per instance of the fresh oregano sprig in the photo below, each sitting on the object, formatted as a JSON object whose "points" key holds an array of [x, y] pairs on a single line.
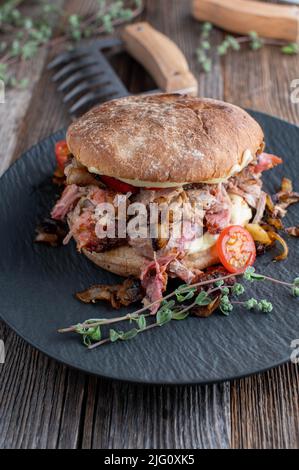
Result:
{"points": [[22, 35], [172, 307], [255, 42]]}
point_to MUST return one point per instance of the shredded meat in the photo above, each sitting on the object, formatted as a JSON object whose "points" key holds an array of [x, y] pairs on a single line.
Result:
{"points": [[219, 215], [260, 209], [118, 294], [177, 268], [247, 184], [154, 281], [66, 203]]}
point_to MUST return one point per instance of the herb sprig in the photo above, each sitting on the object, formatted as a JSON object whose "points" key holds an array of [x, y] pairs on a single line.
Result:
{"points": [[21, 35], [173, 307], [232, 43]]}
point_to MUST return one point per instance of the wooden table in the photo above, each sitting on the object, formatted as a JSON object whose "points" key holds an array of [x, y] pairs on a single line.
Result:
{"points": [[46, 405]]}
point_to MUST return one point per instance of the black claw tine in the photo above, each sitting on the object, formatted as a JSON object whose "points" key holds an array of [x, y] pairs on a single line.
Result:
{"points": [[91, 97], [73, 67], [66, 57], [107, 43], [83, 51], [85, 86], [80, 75]]}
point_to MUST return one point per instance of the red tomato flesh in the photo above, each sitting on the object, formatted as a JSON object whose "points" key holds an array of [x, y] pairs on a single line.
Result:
{"points": [[118, 186], [62, 153], [236, 248]]}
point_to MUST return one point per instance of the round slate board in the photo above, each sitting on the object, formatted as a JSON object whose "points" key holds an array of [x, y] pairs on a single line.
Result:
{"points": [[37, 284]]}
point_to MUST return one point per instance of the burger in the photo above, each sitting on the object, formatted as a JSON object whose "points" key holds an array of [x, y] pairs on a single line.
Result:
{"points": [[178, 150]]}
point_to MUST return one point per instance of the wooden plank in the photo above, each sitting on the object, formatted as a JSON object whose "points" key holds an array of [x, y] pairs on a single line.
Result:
{"points": [[17, 104], [40, 400], [134, 416], [265, 411], [264, 408]]}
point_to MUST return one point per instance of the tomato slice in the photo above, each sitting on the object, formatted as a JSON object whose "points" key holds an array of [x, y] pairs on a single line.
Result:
{"points": [[62, 153], [118, 186], [266, 161], [236, 248]]}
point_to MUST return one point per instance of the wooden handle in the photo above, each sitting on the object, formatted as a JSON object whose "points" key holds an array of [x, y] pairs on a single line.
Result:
{"points": [[161, 57], [242, 16]]}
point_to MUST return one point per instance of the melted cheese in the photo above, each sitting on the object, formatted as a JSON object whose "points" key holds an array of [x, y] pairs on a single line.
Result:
{"points": [[241, 215], [246, 159], [241, 212]]}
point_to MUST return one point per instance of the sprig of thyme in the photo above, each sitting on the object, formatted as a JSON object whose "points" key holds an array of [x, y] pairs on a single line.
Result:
{"points": [[173, 307], [255, 42], [22, 35]]}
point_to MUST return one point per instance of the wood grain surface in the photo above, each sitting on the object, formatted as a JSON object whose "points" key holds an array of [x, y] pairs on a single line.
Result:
{"points": [[46, 405]]}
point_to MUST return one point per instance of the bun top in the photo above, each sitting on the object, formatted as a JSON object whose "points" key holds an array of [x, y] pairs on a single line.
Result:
{"points": [[165, 138]]}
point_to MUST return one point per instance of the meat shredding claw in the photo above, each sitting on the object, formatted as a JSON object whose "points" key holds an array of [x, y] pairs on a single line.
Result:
{"points": [[85, 76]]}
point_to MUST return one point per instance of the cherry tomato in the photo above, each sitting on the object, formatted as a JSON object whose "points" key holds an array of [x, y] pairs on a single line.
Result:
{"points": [[266, 161], [118, 186], [62, 153], [236, 248]]}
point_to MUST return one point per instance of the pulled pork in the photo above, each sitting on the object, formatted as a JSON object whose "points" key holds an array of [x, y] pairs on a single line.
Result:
{"points": [[118, 294]]}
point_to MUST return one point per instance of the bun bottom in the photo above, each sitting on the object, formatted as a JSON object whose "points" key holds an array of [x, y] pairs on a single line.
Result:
{"points": [[125, 262]]}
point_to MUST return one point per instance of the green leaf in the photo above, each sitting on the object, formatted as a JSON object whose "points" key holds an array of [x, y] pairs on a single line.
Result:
{"points": [[74, 21], [201, 55], [187, 295], [296, 280], [163, 316], [251, 276], [86, 340], [233, 43], [141, 322], [207, 65], [180, 316], [295, 291], [205, 45], [265, 306], [169, 304], [115, 335], [203, 299], [290, 49], [95, 334], [129, 334], [207, 27], [223, 48], [238, 289], [29, 50]]}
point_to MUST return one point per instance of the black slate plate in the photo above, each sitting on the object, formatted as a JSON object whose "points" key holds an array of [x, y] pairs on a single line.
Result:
{"points": [[37, 285]]}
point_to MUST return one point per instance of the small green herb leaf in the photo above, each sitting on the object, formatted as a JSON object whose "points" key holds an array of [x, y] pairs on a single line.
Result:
{"points": [[251, 276], [238, 289], [129, 334], [290, 49], [164, 316], [180, 316], [141, 322], [114, 335], [203, 299]]}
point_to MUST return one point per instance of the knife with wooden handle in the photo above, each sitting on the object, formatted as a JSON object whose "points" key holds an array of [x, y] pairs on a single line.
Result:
{"points": [[161, 57], [269, 20]]}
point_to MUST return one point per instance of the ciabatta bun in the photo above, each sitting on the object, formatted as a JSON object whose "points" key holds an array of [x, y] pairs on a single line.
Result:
{"points": [[164, 138]]}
